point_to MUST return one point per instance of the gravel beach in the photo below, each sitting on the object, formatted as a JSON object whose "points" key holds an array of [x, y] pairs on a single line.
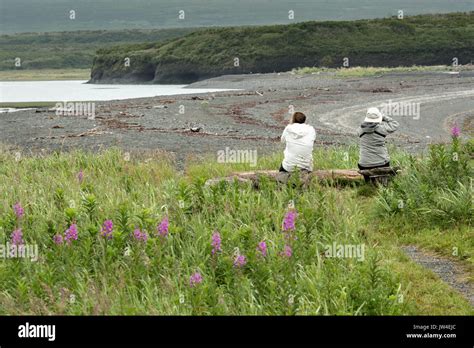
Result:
{"points": [[254, 116]]}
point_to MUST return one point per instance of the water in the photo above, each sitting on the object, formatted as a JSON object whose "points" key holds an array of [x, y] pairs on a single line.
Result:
{"points": [[50, 15], [71, 91]]}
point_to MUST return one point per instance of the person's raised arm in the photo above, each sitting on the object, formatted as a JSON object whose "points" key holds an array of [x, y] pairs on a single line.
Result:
{"points": [[388, 125]]}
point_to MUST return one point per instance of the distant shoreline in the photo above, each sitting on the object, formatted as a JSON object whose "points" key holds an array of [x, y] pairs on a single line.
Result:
{"points": [[44, 74], [50, 75]]}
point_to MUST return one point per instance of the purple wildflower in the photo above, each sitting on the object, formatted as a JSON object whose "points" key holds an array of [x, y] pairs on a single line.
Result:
{"points": [[195, 279], [262, 248], [17, 237], [58, 239], [163, 227], [107, 229], [455, 131], [289, 221], [71, 234], [216, 242], [287, 252], [19, 211], [240, 261], [139, 235], [80, 176]]}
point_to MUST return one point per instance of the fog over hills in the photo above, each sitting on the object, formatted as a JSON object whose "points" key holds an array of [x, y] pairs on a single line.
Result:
{"points": [[54, 15]]}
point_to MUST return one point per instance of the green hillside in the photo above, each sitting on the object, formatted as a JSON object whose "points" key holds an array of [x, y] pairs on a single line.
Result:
{"points": [[418, 40], [71, 49]]}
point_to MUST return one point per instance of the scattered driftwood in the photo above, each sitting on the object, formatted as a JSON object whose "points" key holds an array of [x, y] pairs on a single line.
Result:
{"points": [[382, 90], [305, 177], [90, 132]]}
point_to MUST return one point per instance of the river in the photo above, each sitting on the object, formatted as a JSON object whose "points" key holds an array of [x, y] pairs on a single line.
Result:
{"points": [[52, 91]]}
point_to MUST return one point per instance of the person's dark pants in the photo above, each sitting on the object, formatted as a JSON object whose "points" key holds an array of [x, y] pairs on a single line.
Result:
{"points": [[366, 178], [282, 170]]}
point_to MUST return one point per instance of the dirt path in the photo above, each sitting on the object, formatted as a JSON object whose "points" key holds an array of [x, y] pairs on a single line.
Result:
{"points": [[434, 108], [449, 271]]}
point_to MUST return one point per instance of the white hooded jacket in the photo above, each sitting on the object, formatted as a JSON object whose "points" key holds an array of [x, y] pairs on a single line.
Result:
{"points": [[299, 139]]}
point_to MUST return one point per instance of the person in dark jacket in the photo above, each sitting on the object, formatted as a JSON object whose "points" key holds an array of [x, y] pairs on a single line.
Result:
{"points": [[372, 133]]}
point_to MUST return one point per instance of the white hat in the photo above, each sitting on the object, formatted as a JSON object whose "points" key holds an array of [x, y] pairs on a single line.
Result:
{"points": [[374, 116]]}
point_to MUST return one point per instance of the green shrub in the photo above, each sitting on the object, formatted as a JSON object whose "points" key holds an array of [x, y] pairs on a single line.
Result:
{"points": [[437, 190]]}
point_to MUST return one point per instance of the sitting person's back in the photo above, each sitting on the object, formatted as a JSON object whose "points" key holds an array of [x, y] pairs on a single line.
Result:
{"points": [[299, 138], [372, 133]]}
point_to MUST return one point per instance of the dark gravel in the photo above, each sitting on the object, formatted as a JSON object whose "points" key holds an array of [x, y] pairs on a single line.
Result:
{"points": [[252, 118], [446, 269]]}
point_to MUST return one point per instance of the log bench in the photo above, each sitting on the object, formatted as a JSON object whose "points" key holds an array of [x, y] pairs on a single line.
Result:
{"points": [[253, 177], [379, 175]]}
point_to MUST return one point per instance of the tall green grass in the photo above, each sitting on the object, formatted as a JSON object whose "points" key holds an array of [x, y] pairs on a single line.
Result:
{"points": [[437, 190], [94, 275]]}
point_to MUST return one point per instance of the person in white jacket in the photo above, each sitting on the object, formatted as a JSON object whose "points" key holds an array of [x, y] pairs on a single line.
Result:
{"points": [[299, 138]]}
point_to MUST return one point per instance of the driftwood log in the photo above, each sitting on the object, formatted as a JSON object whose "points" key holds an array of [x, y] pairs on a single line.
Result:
{"points": [[380, 171], [253, 177], [378, 175]]}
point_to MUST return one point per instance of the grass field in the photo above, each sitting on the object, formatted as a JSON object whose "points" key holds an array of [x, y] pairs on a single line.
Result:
{"points": [[45, 74], [372, 71], [128, 234]]}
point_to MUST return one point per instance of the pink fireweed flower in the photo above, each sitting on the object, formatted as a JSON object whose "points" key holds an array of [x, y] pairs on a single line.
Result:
{"points": [[71, 234], [80, 176], [107, 229], [139, 235], [455, 131], [216, 242], [262, 248], [287, 252], [19, 211], [195, 279], [163, 227], [58, 239], [240, 261], [17, 237], [289, 221]]}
